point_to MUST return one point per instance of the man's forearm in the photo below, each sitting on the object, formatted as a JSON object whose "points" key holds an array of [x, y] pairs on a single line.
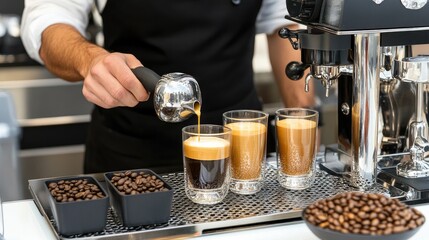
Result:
{"points": [[66, 53], [292, 92]]}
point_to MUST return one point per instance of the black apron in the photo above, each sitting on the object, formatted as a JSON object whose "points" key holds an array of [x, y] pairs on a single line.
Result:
{"points": [[210, 40]]}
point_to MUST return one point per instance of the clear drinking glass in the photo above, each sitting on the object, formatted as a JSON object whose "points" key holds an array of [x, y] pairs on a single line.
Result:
{"points": [[296, 134], [207, 162], [248, 151]]}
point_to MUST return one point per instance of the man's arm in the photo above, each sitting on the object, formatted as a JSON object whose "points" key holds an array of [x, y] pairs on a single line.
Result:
{"points": [[108, 80], [281, 53], [66, 53]]}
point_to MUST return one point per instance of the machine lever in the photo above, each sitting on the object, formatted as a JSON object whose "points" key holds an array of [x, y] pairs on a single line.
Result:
{"points": [[291, 35], [295, 70]]}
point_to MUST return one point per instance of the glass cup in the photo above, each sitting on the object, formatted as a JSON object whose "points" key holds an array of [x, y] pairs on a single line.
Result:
{"points": [[207, 162], [296, 134], [248, 151]]}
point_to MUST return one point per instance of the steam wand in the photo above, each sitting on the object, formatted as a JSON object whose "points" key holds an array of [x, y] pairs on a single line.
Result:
{"points": [[415, 69]]}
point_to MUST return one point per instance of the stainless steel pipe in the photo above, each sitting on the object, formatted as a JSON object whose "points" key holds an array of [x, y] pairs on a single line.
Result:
{"points": [[365, 106]]}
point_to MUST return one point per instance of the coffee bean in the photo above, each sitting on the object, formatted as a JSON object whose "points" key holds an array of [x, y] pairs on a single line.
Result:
{"points": [[131, 183], [79, 195], [363, 213], [375, 222], [74, 190], [121, 181]]}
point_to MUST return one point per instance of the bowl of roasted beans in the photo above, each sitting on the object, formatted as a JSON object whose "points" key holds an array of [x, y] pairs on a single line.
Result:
{"points": [[362, 216], [139, 197], [79, 204]]}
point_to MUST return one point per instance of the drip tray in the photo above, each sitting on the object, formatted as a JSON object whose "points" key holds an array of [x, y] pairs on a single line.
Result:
{"points": [[272, 204], [419, 184]]}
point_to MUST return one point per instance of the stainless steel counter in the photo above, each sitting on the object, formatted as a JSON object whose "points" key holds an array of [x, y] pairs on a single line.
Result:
{"points": [[53, 117], [39, 95], [24, 215]]}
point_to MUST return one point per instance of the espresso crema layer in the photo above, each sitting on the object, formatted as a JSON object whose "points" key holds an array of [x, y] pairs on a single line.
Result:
{"points": [[206, 148]]}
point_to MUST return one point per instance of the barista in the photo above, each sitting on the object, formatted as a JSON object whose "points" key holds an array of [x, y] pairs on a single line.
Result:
{"points": [[210, 40]]}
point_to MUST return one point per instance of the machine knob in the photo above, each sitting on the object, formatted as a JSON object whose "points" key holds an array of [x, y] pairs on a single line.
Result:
{"points": [[295, 70], [414, 4]]}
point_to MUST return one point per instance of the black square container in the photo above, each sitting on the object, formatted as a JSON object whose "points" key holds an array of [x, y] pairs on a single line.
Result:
{"points": [[79, 217], [142, 208]]}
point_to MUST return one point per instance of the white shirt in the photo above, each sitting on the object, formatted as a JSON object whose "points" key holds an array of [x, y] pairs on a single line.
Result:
{"points": [[39, 14]]}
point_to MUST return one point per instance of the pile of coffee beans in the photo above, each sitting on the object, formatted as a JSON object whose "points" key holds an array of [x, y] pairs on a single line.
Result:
{"points": [[363, 213], [132, 183], [74, 190]]}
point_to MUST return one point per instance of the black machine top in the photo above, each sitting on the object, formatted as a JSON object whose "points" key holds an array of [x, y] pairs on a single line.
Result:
{"points": [[352, 15]]}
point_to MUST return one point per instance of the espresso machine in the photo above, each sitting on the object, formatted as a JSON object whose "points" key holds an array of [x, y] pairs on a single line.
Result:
{"points": [[364, 49]]}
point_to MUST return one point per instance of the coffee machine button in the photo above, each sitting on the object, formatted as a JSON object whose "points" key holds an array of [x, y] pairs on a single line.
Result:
{"points": [[414, 4], [236, 2], [345, 109]]}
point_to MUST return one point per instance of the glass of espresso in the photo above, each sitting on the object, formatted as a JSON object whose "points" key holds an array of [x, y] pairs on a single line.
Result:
{"points": [[248, 151], [296, 130], [207, 162]]}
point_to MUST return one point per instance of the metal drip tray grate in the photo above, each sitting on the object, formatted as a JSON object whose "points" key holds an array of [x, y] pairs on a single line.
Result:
{"points": [[273, 203]]}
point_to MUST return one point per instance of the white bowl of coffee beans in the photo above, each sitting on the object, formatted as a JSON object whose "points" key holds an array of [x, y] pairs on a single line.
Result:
{"points": [[362, 216]]}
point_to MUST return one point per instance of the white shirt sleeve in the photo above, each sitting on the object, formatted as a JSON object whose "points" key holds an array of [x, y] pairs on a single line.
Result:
{"points": [[271, 16], [39, 14]]}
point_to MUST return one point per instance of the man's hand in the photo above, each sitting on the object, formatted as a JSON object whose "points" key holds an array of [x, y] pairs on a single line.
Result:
{"points": [[110, 83], [107, 77]]}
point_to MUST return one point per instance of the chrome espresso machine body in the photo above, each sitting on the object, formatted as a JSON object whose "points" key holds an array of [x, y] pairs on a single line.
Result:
{"points": [[364, 47]]}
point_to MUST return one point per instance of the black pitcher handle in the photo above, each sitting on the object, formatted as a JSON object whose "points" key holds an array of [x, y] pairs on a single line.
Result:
{"points": [[147, 77]]}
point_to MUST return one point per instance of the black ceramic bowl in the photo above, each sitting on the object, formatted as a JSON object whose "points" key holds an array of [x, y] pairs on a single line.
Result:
{"points": [[141, 208], [328, 234], [79, 217]]}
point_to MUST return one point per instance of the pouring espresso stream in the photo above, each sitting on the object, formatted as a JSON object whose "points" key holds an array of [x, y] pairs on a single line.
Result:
{"points": [[176, 97]]}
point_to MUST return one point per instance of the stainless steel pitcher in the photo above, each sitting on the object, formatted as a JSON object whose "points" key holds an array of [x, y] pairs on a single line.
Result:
{"points": [[176, 96]]}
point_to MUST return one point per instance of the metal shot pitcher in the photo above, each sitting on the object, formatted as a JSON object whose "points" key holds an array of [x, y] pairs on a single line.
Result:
{"points": [[176, 96]]}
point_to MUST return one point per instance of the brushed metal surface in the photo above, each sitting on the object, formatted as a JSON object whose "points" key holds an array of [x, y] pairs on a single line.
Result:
{"points": [[360, 31], [43, 101], [38, 94]]}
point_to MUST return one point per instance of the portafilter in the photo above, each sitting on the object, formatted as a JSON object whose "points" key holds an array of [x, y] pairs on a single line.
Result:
{"points": [[176, 96]]}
